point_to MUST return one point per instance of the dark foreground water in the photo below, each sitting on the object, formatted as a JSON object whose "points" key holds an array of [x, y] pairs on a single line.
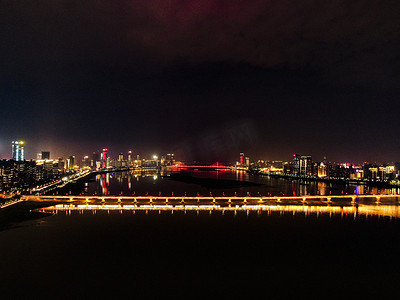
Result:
{"points": [[200, 255]]}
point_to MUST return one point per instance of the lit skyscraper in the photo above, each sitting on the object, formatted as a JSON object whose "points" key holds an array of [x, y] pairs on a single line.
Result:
{"points": [[121, 157], [71, 162], [241, 158], [104, 157], [18, 153], [302, 164]]}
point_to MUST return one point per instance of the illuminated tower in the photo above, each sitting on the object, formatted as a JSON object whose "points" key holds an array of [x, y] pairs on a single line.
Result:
{"points": [[71, 162], [104, 158], [241, 158], [296, 163], [129, 155], [18, 153]]}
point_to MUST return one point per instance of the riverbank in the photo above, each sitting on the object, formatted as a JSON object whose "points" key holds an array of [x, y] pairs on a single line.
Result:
{"points": [[381, 184], [12, 216]]}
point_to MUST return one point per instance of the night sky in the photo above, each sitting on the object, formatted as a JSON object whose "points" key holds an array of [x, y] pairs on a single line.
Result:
{"points": [[204, 79]]}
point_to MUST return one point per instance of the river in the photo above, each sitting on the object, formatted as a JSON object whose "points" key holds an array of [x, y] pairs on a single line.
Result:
{"points": [[155, 254]]}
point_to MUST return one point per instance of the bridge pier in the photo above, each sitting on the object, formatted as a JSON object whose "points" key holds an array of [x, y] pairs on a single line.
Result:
{"points": [[329, 200], [378, 200], [353, 200]]}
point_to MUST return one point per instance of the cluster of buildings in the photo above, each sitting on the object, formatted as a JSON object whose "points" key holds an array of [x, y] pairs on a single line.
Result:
{"points": [[243, 163], [102, 161], [303, 165], [21, 173]]}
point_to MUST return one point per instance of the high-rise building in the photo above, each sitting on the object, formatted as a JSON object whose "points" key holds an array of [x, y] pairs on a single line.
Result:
{"points": [[302, 164], [306, 165], [121, 157], [104, 158], [129, 155], [95, 159], [163, 161], [248, 162], [18, 153], [71, 162], [45, 155], [322, 170], [120, 161], [85, 161], [170, 159], [241, 161], [296, 163]]}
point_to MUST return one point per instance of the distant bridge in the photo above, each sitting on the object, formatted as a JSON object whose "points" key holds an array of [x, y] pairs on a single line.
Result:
{"points": [[216, 166]]}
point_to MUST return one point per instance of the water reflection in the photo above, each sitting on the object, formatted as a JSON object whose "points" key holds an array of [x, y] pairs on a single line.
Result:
{"points": [[391, 211], [159, 183], [322, 187]]}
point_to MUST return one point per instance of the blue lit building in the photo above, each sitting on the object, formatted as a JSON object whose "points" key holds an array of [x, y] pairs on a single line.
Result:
{"points": [[18, 153]]}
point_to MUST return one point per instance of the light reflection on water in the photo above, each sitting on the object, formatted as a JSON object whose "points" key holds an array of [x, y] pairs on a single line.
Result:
{"points": [[151, 183], [356, 211]]}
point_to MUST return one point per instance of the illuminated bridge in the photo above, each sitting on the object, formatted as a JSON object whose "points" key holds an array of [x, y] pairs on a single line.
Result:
{"points": [[216, 166], [353, 199], [346, 205]]}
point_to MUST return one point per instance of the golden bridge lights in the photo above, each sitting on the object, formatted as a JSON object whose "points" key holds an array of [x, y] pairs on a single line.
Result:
{"points": [[391, 211]]}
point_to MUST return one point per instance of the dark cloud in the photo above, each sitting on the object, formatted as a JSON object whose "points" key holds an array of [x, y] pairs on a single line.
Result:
{"points": [[349, 41], [303, 72]]}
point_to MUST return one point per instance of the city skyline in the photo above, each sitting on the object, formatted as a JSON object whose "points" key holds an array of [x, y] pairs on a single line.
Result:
{"points": [[33, 155], [199, 149], [18, 154], [204, 79]]}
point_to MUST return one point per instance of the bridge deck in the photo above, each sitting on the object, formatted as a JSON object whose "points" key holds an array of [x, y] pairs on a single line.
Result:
{"points": [[214, 199]]}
